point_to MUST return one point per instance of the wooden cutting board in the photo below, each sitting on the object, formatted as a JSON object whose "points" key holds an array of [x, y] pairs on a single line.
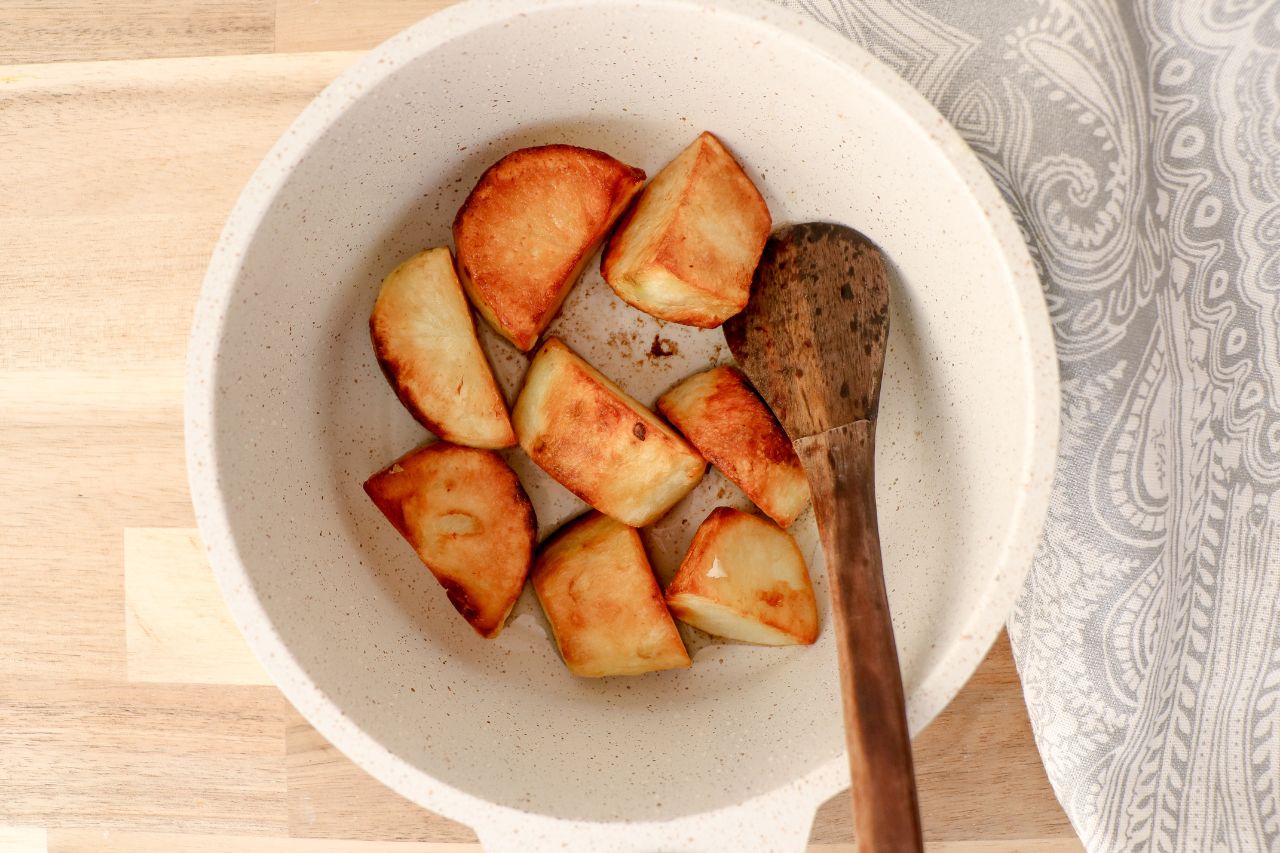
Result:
{"points": [[132, 716]]}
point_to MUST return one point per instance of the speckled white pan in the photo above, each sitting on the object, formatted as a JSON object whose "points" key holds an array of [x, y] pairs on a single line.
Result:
{"points": [[287, 414]]}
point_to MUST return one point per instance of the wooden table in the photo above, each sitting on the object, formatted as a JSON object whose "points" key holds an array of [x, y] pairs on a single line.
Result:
{"points": [[132, 716]]}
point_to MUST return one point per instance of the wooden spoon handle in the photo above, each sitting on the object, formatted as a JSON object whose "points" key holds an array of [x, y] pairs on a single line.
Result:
{"points": [[841, 468]]}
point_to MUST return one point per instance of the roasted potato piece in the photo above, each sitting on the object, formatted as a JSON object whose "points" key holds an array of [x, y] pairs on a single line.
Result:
{"points": [[604, 605], [686, 250], [724, 418], [425, 340], [600, 444], [528, 229], [744, 578], [465, 513]]}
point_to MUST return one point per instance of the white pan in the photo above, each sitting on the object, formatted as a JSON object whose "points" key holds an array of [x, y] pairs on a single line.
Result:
{"points": [[287, 414]]}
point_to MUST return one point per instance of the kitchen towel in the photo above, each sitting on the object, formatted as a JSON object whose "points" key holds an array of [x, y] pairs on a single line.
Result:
{"points": [[1138, 144]]}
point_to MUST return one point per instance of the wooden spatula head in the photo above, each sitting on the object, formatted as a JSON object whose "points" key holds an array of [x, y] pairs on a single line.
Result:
{"points": [[813, 335]]}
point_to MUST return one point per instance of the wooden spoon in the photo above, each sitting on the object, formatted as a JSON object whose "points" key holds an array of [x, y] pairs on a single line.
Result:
{"points": [[812, 339]]}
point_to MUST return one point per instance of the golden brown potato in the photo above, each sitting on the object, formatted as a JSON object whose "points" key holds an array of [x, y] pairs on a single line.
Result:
{"points": [[603, 446], [724, 418], [530, 226], [686, 250], [604, 605], [425, 341], [465, 513], [744, 578]]}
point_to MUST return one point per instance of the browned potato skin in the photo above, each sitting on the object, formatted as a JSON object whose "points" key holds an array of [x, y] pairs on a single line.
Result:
{"points": [[413, 369], [606, 611], [716, 274], [466, 515], [724, 418], [597, 442], [528, 229], [787, 609]]}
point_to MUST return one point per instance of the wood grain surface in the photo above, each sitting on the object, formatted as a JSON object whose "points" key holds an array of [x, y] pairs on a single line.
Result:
{"points": [[132, 717]]}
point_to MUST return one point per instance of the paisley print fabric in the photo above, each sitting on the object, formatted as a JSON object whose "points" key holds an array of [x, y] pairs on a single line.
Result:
{"points": [[1138, 144]]}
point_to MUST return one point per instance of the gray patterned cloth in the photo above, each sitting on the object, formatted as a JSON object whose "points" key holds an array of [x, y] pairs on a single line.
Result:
{"points": [[1138, 144]]}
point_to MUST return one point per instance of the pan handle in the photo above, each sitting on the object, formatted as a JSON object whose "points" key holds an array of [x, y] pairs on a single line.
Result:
{"points": [[774, 823]]}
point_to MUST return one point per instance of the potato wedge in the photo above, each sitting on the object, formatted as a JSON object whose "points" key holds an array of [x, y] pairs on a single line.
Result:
{"points": [[465, 513], [686, 250], [604, 605], [744, 578], [724, 418], [528, 229], [598, 442], [425, 340]]}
